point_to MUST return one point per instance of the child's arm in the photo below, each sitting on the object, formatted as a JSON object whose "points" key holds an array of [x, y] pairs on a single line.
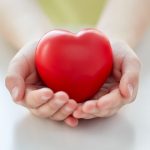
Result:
{"points": [[125, 19], [22, 21]]}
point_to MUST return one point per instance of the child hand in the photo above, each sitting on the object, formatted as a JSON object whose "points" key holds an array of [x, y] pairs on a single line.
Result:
{"points": [[27, 89], [120, 89]]}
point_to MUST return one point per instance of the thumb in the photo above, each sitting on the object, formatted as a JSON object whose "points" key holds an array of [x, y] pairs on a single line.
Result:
{"points": [[15, 84], [130, 77], [19, 68], [14, 80]]}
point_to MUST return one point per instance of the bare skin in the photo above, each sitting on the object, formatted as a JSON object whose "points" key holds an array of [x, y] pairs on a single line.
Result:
{"points": [[121, 88], [124, 22], [27, 89]]}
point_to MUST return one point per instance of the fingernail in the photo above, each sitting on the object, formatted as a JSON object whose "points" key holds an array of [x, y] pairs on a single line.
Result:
{"points": [[130, 89], [14, 93]]}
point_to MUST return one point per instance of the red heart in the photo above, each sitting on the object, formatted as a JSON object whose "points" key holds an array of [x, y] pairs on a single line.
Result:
{"points": [[78, 64]]}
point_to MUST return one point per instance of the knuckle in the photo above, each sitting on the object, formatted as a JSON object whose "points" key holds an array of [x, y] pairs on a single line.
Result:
{"points": [[62, 94], [30, 103], [53, 106], [34, 112], [43, 113], [61, 115], [66, 112]]}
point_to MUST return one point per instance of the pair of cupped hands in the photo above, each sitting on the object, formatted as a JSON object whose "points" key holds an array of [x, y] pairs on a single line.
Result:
{"points": [[27, 89]]}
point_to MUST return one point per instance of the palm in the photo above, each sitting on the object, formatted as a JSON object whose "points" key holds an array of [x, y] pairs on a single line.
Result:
{"points": [[32, 79], [110, 84]]}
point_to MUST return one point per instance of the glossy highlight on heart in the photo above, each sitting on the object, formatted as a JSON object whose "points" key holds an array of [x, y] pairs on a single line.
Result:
{"points": [[78, 64]]}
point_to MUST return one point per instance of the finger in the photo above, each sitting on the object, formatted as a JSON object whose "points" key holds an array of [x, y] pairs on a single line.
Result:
{"points": [[130, 77], [78, 113], [112, 100], [107, 113], [17, 72], [90, 107], [16, 86], [113, 112], [57, 102], [15, 78], [71, 121], [103, 105], [65, 111], [119, 52], [38, 97]]}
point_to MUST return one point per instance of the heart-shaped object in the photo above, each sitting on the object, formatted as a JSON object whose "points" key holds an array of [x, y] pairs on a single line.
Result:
{"points": [[78, 64]]}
